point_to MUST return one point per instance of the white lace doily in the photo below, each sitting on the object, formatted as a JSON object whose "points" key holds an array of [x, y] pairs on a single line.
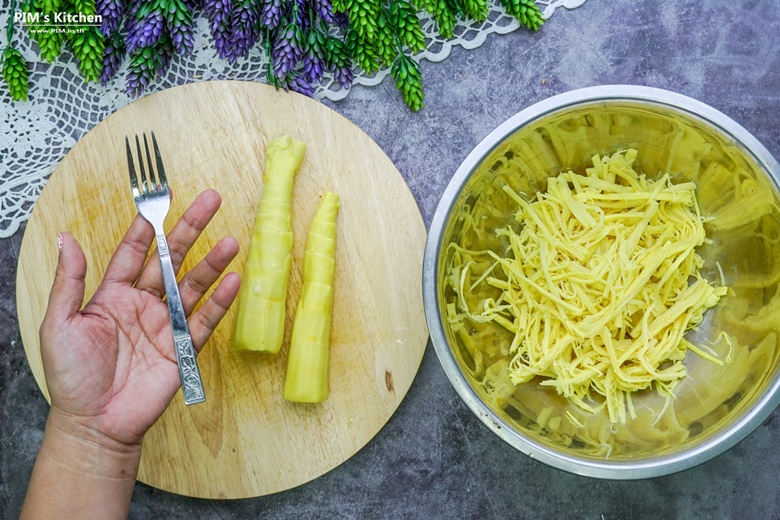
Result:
{"points": [[35, 135]]}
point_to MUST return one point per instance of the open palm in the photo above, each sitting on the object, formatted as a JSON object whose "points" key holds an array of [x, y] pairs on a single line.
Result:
{"points": [[110, 367]]}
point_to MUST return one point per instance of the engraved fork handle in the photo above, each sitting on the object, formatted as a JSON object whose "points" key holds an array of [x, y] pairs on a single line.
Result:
{"points": [[191, 383]]}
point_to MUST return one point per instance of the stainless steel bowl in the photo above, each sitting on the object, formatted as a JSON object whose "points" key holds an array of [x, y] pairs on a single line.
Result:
{"points": [[715, 407]]}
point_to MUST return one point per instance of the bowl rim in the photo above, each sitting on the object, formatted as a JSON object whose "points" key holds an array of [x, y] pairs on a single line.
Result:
{"points": [[627, 470]]}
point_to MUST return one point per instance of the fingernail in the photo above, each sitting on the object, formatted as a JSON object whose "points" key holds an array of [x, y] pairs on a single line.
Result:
{"points": [[59, 242]]}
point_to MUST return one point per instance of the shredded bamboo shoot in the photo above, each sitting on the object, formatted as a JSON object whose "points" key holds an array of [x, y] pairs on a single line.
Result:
{"points": [[598, 286]]}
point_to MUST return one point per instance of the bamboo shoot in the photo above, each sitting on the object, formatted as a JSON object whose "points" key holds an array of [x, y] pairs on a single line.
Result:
{"points": [[263, 294], [307, 366]]}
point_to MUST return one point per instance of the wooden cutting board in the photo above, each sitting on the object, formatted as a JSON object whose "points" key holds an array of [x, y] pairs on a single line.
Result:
{"points": [[246, 440]]}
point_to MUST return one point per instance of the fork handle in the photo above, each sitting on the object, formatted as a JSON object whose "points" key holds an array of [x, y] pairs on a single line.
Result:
{"points": [[191, 383]]}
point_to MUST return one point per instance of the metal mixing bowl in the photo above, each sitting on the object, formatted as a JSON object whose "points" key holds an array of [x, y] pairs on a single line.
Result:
{"points": [[737, 182]]}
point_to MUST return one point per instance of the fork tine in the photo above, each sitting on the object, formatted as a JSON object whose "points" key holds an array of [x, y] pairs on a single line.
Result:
{"points": [[131, 167], [152, 178], [143, 178], [160, 169]]}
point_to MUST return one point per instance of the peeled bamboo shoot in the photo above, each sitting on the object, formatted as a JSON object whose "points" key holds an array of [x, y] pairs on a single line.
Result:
{"points": [[307, 365], [263, 294]]}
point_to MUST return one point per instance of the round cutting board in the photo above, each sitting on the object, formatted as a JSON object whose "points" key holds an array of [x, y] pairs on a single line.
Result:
{"points": [[246, 440]]}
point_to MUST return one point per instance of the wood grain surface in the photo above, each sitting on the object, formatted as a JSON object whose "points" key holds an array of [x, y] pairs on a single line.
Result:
{"points": [[246, 440]]}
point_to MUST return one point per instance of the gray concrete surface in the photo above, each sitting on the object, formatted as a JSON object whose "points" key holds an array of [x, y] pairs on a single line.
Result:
{"points": [[434, 459]]}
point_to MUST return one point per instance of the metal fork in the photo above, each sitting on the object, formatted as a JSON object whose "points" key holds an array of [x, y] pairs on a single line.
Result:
{"points": [[153, 199]]}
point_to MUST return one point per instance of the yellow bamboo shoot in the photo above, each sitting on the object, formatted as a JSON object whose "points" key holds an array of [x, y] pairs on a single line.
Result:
{"points": [[263, 294], [307, 364], [596, 289]]}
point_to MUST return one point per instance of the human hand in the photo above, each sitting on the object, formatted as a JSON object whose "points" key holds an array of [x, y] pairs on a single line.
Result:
{"points": [[110, 367]]}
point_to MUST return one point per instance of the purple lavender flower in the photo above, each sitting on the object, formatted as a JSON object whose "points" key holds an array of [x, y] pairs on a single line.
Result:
{"points": [[179, 24], [325, 10], [146, 63], [245, 30], [217, 9], [337, 58], [131, 18], [313, 67], [111, 12], [307, 16], [298, 84], [164, 52], [138, 76], [299, 14], [145, 32], [342, 20], [112, 57], [287, 50], [182, 39], [221, 35], [314, 60], [343, 75], [219, 14], [271, 14]]}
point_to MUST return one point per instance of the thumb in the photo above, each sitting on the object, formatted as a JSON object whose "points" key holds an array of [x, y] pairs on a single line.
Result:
{"points": [[67, 291]]}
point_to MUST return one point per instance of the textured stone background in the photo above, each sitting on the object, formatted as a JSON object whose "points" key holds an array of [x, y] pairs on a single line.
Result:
{"points": [[434, 459]]}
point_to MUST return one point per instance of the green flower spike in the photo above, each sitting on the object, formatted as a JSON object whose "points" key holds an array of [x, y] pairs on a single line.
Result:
{"points": [[362, 16], [49, 6], [386, 47], [363, 51], [49, 42], [408, 79], [88, 47], [403, 16], [15, 74], [474, 9], [84, 6], [526, 11], [443, 14]]}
